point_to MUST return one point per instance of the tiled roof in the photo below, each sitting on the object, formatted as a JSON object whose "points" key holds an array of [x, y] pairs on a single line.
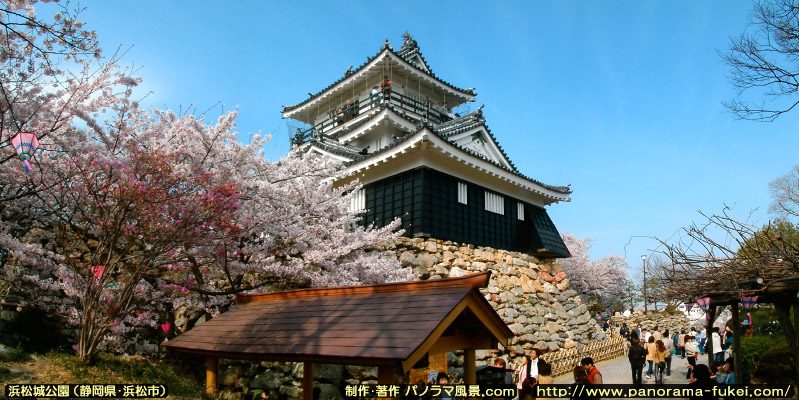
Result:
{"points": [[335, 147], [444, 130], [389, 48], [363, 325], [467, 122], [410, 49], [461, 124]]}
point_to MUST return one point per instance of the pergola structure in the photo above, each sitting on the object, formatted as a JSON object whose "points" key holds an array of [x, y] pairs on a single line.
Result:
{"points": [[392, 326], [724, 281]]}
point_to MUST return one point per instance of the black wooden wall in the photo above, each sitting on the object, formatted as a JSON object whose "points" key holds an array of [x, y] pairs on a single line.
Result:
{"points": [[427, 202]]}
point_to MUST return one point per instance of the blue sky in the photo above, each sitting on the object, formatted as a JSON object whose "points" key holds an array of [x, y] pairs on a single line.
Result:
{"points": [[622, 99]]}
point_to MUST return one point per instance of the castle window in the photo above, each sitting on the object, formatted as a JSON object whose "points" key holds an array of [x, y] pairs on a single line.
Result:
{"points": [[494, 203], [463, 193], [358, 201], [520, 210]]}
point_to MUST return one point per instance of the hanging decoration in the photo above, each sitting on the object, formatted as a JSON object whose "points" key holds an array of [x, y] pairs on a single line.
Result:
{"points": [[26, 144], [689, 306], [748, 302], [704, 303]]}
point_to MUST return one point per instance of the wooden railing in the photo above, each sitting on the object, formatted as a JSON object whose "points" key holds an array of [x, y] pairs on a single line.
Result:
{"points": [[420, 109], [564, 360]]}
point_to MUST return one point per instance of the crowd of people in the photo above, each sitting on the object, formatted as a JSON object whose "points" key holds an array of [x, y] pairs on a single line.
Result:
{"points": [[656, 350], [652, 350]]}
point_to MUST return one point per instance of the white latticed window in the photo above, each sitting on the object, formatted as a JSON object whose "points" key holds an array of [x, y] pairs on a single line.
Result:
{"points": [[358, 201], [463, 193], [520, 211], [495, 203]]}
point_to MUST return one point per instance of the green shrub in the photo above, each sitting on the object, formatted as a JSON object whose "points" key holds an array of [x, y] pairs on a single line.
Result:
{"points": [[769, 358], [776, 365]]}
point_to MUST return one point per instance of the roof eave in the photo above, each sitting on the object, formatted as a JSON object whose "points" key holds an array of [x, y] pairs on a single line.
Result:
{"points": [[425, 135]]}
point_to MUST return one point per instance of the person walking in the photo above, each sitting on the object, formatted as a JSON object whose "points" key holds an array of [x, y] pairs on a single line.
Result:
{"points": [[681, 343], [659, 359], [594, 376], [580, 378], [544, 376], [522, 372], [691, 351], [651, 349], [701, 342], [624, 331], [532, 368], [718, 352], [646, 335], [669, 350], [637, 357]]}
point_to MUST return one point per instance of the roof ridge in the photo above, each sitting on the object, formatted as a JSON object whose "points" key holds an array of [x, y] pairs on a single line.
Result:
{"points": [[476, 280]]}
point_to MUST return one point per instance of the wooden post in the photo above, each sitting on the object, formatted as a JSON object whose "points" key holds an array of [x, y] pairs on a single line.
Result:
{"points": [[711, 316], [307, 380], [386, 374], [469, 367], [211, 372], [795, 346], [736, 344]]}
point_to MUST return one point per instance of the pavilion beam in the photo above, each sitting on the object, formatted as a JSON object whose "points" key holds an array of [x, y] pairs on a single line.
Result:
{"points": [[211, 373], [307, 380]]}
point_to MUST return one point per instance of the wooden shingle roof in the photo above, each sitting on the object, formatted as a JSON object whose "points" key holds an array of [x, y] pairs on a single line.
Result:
{"points": [[388, 324]]}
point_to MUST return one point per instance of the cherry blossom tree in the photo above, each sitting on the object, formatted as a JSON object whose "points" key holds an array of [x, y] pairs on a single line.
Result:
{"points": [[155, 211], [601, 281], [50, 75], [129, 213]]}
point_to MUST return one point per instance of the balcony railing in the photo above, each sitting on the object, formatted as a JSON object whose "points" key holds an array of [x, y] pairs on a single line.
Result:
{"points": [[415, 109]]}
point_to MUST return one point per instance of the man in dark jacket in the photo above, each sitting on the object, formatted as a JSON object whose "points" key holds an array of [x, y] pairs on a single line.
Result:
{"points": [[624, 331], [637, 356]]}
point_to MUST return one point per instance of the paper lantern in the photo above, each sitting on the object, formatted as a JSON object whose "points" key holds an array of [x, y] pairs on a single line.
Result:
{"points": [[26, 144], [704, 303], [748, 302]]}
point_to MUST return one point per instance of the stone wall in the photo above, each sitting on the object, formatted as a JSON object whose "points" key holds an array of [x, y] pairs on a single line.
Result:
{"points": [[663, 321], [532, 296]]}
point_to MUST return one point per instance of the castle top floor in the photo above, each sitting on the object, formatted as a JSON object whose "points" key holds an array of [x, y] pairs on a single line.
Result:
{"points": [[401, 77]]}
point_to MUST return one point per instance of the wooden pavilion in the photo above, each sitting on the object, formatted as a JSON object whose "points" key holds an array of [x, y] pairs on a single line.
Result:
{"points": [[392, 326]]}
